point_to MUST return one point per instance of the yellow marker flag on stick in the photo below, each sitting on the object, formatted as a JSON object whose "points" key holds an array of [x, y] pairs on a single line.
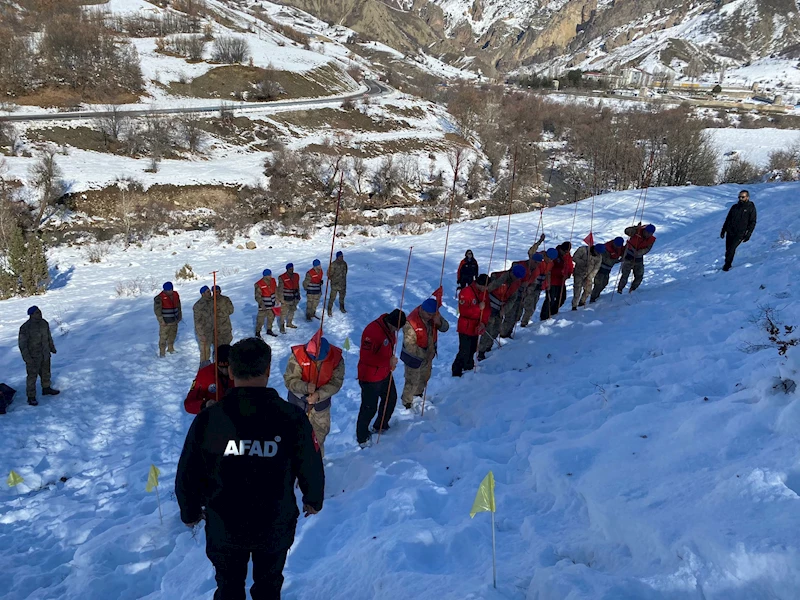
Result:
{"points": [[152, 482], [347, 344], [152, 478], [14, 479], [484, 502]]}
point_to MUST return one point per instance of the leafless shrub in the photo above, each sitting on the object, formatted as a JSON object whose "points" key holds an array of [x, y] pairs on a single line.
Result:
{"points": [[778, 333], [267, 88], [230, 50], [188, 46], [356, 173], [386, 179], [785, 163], [133, 288], [112, 124], [97, 252], [740, 171], [185, 273], [190, 132], [46, 177]]}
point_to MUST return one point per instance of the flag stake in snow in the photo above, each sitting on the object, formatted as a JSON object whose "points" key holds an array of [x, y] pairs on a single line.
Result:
{"points": [[14, 479], [484, 502], [216, 348], [391, 375], [333, 242], [152, 482]]}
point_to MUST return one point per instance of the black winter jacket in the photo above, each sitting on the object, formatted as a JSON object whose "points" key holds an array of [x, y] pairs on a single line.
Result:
{"points": [[741, 220], [240, 461]]}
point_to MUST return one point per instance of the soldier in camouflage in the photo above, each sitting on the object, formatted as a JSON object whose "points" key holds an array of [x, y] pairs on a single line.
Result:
{"points": [[420, 335], [203, 325], [167, 307], [312, 284], [266, 299], [288, 294], [224, 311], [36, 345], [338, 277]]}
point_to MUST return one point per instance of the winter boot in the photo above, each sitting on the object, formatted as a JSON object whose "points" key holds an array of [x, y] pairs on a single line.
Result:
{"points": [[726, 268], [171, 350], [582, 303], [258, 334], [48, 391], [33, 402], [283, 329], [341, 308], [309, 319], [330, 312], [272, 333], [365, 445], [592, 300], [481, 356], [574, 308], [291, 326], [377, 429]]}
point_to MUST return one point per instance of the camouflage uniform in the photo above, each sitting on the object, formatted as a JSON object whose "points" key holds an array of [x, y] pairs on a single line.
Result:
{"points": [[224, 327], [168, 326], [203, 327], [529, 294], [265, 312], [320, 419], [288, 306], [603, 274], [338, 277], [587, 266], [313, 295], [496, 323], [36, 345], [416, 379], [633, 260]]}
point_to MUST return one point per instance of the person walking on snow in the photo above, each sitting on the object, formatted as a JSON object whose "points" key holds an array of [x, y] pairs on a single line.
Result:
{"points": [[36, 345], [237, 471], [376, 362], [587, 261], [739, 226], [204, 391], [288, 296], [167, 307], [337, 273], [267, 300], [203, 311], [312, 377], [563, 268], [473, 315], [502, 287], [539, 281], [467, 270], [640, 242], [613, 255], [420, 337], [312, 284]]}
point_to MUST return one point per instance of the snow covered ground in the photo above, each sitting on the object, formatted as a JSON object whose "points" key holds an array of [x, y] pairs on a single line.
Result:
{"points": [[754, 145], [639, 452]]}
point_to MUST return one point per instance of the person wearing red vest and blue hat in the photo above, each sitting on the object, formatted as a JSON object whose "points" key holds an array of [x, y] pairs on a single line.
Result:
{"points": [[473, 315], [640, 242], [312, 284], [314, 374], [502, 287], [289, 296], [420, 336], [267, 301], [167, 307], [205, 390], [587, 263], [613, 255]]}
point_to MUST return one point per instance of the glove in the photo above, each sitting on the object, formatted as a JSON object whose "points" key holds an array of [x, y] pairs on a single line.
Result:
{"points": [[722, 235]]}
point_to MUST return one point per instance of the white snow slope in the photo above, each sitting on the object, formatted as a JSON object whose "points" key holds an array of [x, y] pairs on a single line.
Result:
{"points": [[639, 452]]}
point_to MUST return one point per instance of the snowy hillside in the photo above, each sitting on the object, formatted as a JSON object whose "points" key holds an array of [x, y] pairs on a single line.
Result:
{"points": [[644, 447]]}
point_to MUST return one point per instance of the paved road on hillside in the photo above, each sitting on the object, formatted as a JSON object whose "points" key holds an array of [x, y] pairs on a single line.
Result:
{"points": [[375, 89]]}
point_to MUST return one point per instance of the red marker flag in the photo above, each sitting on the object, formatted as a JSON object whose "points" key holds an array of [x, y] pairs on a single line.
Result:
{"points": [[589, 239], [315, 343], [438, 295], [276, 310]]}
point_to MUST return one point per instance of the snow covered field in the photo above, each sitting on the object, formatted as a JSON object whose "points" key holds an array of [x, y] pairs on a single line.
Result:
{"points": [[639, 452], [753, 145]]}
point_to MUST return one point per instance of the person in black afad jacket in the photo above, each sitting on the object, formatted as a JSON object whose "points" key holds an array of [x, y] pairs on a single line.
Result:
{"points": [[238, 469], [738, 226]]}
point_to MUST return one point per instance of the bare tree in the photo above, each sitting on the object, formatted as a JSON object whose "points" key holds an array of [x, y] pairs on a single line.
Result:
{"points": [[266, 88], [159, 136], [112, 124], [46, 176], [192, 135], [357, 172], [230, 49]]}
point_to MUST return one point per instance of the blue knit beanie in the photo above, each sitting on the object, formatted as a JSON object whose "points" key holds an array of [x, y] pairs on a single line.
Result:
{"points": [[204, 289], [339, 254], [168, 286], [650, 228], [316, 263], [600, 248], [267, 272], [518, 271], [430, 305], [552, 253], [32, 310], [217, 289], [289, 266], [538, 257], [619, 242]]}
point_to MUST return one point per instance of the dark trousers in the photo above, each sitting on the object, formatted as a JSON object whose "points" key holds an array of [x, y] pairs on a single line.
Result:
{"points": [[600, 282], [230, 564], [465, 359], [731, 244], [553, 301], [370, 394]]}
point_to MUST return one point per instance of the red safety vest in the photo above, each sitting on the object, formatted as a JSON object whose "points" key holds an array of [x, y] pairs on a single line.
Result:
{"points": [[291, 284], [169, 306], [267, 288], [315, 284], [416, 322], [311, 374]]}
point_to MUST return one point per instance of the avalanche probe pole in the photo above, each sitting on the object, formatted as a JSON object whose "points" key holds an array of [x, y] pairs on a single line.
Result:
{"points": [[216, 358], [391, 373]]}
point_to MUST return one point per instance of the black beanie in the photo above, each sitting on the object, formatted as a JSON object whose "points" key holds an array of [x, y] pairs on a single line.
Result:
{"points": [[482, 279], [396, 318], [223, 353]]}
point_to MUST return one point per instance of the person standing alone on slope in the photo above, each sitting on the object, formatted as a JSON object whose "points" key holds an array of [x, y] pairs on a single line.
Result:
{"points": [[167, 307], [36, 345], [337, 273], [467, 270], [738, 226]]}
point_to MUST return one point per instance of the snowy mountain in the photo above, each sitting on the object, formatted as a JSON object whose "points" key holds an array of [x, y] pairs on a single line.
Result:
{"points": [[645, 447], [673, 36]]}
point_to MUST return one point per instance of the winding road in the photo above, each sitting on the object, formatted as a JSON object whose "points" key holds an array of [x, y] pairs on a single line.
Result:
{"points": [[375, 89]]}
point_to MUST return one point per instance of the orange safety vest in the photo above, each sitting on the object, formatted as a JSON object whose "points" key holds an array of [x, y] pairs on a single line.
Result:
{"points": [[169, 306], [267, 289], [291, 284], [322, 376], [416, 322], [315, 285]]}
